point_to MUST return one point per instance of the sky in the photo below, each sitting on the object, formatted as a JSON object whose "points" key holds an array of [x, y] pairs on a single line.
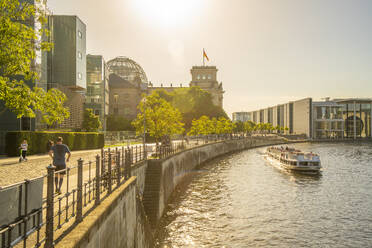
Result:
{"points": [[267, 51]]}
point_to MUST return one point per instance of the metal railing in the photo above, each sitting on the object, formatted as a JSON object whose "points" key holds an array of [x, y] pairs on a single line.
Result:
{"points": [[85, 185]]}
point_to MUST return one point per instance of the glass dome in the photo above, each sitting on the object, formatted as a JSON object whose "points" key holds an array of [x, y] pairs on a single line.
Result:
{"points": [[127, 69]]}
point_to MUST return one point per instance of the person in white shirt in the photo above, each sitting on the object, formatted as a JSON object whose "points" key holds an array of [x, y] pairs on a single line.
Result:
{"points": [[23, 148]]}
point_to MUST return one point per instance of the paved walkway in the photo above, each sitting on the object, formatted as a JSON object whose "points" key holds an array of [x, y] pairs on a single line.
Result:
{"points": [[11, 171]]}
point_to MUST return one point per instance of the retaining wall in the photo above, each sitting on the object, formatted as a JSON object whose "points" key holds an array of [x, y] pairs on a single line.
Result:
{"points": [[123, 219], [162, 176], [114, 223]]}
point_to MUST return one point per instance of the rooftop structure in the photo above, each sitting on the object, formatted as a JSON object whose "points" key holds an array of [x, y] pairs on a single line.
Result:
{"points": [[128, 69]]}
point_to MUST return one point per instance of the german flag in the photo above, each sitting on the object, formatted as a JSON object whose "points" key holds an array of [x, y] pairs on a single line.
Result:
{"points": [[205, 55]]}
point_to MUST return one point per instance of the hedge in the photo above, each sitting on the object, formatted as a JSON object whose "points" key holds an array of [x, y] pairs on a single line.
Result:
{"points": [[37, 141]]}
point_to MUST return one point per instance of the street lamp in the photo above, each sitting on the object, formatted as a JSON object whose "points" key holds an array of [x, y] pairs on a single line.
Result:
{"points": [[144, 128]]}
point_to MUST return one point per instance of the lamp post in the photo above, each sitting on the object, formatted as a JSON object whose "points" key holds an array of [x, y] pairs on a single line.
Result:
{"points": [[144, 128]]}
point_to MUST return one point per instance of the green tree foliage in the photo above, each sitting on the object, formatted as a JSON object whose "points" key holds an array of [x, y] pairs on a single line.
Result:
{"points": [[193, 103], [239, 127], [161, 118], [119, 123], [19, 42], [205, 126], [249, 126], [91, 122], [201, 126]]}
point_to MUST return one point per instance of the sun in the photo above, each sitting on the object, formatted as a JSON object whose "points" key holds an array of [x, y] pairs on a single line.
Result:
{"points": [[167, 13]]}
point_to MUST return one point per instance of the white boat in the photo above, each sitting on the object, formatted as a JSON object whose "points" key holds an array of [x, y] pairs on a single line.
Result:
{"points": [[293, 160]]}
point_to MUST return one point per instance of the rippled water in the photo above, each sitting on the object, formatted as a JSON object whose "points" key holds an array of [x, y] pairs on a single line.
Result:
{"points": [[242, 201]]}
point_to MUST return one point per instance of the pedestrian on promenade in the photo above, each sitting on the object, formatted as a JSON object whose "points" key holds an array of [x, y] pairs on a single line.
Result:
{"points": [[23, 148], [49, 145], [58, 154]]}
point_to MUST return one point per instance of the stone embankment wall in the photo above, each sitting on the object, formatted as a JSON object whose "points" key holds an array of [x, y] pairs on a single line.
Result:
{"points": [[129, 216], [162, 176]]}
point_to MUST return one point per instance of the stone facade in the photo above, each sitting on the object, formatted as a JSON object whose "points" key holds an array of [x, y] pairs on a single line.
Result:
{"points": [[124, 97], [128, 81], [75, 104], [205, 77]]}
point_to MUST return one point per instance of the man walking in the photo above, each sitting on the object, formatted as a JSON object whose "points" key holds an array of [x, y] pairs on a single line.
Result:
{"points": [[58, 154]]}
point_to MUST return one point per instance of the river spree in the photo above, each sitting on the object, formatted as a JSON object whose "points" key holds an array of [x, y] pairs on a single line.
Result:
{"points": [[242, 201]]}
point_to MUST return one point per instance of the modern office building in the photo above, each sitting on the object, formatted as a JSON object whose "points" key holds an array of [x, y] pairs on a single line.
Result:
{"points": [[241, 116], [329, 119], [67, 65], [97, 94]]}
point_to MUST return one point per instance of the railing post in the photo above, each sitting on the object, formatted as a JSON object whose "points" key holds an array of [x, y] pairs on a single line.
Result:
{"points": [[144, 152], [98, 181], [136, 155], [79, 196], [49, 239], [109, 172], [128, 163], [122, 156], [118, 167]]}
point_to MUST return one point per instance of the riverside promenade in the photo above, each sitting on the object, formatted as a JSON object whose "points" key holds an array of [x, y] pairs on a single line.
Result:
{"points": [[11, 171]]}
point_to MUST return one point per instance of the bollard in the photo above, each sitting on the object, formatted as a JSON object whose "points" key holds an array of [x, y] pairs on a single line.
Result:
{"points": [[98, 181], [79, 196], [109, 178], [49, 239]]}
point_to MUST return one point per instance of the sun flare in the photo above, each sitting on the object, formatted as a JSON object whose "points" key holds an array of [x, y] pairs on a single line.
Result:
{"points": [[167, 12]]}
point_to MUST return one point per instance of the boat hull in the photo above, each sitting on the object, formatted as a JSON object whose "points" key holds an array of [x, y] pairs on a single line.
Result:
{"points": [[299, 169]]}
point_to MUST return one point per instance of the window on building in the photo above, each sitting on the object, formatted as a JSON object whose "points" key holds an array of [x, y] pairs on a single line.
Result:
{"points": [[96, 112], [204, 77], [80, 34], [198, 77], [209, 76], [80, 55], [116, 98], [80, 76]]}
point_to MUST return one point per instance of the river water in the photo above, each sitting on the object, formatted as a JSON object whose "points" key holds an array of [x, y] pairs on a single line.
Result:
{"points": [[242, 201]]}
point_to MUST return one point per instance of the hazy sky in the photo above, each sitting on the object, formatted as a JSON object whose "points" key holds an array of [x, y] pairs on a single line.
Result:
{"points": [[267, 51]]}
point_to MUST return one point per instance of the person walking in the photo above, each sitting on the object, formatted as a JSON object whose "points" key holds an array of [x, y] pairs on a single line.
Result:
{"points": [[58, 154], [49, 145], [23, 148]]}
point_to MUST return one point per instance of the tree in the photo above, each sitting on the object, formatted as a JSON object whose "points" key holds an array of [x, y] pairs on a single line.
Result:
{"points": [[286, 129], [91, 122], [19, 42], [201, 126], [249, 126], [193, 103], [225, 126], [239, 127], [160, 117]]}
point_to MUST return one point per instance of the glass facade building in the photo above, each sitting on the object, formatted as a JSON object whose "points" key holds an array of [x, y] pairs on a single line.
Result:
{"points": [[357, 116], [330, 119], [97, 94]]}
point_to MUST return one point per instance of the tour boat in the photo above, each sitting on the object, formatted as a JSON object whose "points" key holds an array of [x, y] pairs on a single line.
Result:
{"points": [[293, 160]]}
